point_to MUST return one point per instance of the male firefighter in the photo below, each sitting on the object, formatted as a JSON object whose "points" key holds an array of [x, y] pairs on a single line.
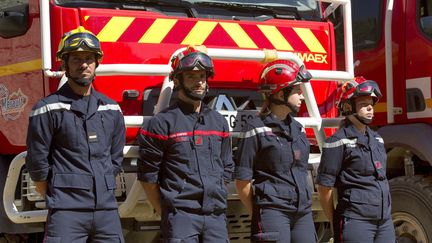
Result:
{"points": [[185, 158], [75, 149]]}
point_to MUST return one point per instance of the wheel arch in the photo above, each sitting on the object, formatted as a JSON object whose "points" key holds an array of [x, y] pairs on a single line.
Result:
{"points": [[416, 138]]}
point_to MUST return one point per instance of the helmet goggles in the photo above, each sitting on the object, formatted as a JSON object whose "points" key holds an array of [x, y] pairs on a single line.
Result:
{"points": [[78, 40], [193, 60], [368, 88], [303, 75]]}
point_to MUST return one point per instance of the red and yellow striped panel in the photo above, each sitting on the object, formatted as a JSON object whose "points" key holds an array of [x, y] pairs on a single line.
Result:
{"points": [[209, 33]]}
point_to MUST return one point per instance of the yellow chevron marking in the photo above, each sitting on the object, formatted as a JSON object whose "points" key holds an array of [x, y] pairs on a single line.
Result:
{"points": [[199, 33], [86, 17], [114, 28], [157, 31], [240, 37], [21, 67], [275, 37], [310, 40]]}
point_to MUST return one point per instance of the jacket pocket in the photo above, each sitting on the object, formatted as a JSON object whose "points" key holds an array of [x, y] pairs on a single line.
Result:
{"points": [[284, 192], [110, 182], [75, 181], [366, 204]]}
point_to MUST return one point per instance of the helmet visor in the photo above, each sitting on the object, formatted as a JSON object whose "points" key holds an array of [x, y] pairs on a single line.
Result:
{"points": [[368, 88], [75, 41], [195, 59]]}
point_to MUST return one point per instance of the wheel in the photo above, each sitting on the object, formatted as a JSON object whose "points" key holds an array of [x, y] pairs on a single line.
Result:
{"points": [[412, 208]]}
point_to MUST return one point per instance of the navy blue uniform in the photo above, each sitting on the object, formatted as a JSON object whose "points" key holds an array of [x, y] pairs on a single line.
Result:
{"points": [[76, 144], [189, 155], [274, 154], [355, 164]]}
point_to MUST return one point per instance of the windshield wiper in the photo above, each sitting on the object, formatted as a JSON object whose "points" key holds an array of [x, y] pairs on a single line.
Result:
{"points": [[185, 5], [281, 12]]}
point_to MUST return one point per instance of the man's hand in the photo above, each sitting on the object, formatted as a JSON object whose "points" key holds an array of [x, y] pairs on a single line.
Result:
{"points": [[41, 187]]}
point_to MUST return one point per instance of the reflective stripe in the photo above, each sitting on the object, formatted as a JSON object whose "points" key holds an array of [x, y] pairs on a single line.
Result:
{"points": [[349, 142], [254, 132], [50, 107], [109, 107], [380, 139]]}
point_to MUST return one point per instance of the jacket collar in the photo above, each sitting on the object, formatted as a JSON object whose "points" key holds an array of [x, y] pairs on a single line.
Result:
{"points": [[352, 132], [288, 125], [188, 109], [67, 95]]}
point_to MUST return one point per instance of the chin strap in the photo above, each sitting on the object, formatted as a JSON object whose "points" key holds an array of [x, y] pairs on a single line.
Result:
{"points": [[364, 121], [285, 102]]}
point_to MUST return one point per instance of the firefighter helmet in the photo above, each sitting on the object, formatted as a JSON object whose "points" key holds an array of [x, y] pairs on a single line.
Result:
{"points": [[281, 74], [79, 39], [191, 59], [356, 88]]}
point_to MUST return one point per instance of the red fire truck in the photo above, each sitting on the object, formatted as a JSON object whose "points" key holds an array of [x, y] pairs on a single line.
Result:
{"points": [[138, 38]]}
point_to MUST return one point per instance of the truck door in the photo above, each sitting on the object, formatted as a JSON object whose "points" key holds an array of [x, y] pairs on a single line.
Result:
{"points": [[418, 59], [21, 80]]}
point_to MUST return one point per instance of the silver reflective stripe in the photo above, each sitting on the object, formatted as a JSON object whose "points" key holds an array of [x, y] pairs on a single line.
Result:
{"points": [[348, 142], [254, 132], [380, 139], [50, 107], [109, 107]]}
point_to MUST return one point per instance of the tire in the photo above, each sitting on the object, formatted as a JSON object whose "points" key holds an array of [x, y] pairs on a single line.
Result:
{"points": [[412, 208]]}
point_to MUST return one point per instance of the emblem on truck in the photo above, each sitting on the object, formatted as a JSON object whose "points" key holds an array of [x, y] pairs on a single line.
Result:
{"points": [[11, 106]]}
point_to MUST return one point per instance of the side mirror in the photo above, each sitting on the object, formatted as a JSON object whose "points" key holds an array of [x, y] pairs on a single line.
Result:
{"points": [[14, 21], [426, 25]]}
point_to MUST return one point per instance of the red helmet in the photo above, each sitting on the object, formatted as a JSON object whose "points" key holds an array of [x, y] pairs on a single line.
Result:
{"points": [[356, 88], [280, 74], [191, 59]]}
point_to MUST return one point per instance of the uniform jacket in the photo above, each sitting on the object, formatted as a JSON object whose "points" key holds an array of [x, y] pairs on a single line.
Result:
{"points": [[189, 155], [275, 155], [355, 164], [78, 150]]}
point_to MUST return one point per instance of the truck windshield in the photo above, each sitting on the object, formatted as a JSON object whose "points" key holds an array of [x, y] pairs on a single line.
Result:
{"points": [[285, 9]]}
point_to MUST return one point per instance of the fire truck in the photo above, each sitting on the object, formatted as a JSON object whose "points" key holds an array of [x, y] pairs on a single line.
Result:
{"points": [[139, 39]]}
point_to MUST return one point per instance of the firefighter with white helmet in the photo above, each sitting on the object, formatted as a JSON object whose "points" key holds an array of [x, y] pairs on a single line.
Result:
{"points": [[354, 162], [272, 160], [75, 149], [186, 159]]}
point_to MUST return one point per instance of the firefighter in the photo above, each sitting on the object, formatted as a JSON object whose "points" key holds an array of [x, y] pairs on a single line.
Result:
{"points": [[75, 149], [186, 159], [354, 162], [272, 160]]}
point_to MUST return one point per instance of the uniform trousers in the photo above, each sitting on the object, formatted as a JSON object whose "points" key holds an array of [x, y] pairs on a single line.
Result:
{"points": [[81, 226], [348, 230], [272, 225], [186, 227]]}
